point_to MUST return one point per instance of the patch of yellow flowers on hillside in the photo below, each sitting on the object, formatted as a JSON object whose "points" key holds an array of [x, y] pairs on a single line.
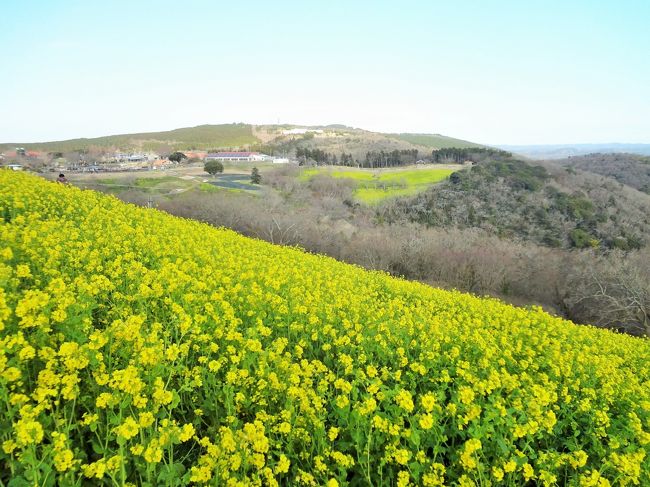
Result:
{"points": [[137, 348]]}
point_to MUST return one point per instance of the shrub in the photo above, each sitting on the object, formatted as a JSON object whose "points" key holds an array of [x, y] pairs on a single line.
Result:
{"points": [[213, 167]]}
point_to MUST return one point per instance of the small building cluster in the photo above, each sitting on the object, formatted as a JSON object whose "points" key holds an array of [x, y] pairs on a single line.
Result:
{"points": [[134, 157], [81, 161], [244, 157]]}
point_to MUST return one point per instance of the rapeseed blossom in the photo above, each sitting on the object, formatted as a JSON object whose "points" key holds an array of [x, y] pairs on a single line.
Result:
{"points": [[140, 348]]}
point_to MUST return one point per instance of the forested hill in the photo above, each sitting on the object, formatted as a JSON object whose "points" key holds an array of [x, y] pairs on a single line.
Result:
{"points": [[544, 203], [630, 169], [331, 138], [202, 136]]}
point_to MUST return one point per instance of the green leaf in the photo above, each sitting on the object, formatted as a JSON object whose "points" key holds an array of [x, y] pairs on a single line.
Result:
{"points": [[18, 482]]}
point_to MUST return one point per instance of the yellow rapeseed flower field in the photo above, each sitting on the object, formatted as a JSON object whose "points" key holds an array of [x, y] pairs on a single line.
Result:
{"points": [[137, 348]]}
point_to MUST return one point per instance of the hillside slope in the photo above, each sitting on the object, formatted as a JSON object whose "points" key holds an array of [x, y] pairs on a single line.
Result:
{"points": [[539, 202], [200, 137], [436, 141], [630, 169], [337, 139], [138, 347]]}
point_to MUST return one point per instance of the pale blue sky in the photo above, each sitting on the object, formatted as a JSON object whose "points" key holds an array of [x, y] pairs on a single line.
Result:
{"points": [[509, 71]]}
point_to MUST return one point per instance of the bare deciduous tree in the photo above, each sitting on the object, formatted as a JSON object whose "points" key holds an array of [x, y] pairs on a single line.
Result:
{"points": [[613, 292]]}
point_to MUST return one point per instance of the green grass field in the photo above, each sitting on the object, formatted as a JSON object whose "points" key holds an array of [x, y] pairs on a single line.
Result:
{"points": [[372, 196], [162, 185], [416, 177], [435, 141], [208, 188], [356, 174], [375, 186], [156, 182], [169, 184]]}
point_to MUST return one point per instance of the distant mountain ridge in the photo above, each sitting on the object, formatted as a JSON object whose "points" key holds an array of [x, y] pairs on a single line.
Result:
{"points": [[561, 151], [630, 169]]}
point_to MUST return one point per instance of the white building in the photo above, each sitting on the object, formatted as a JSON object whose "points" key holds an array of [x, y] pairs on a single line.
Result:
{"points": [[236, 156]]}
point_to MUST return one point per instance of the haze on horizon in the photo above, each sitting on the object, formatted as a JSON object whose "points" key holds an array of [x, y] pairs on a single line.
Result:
{"points": [[503, 72]]}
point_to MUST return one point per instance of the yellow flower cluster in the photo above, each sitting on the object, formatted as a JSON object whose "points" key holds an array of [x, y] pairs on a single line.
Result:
{"points": [[138, 348]]}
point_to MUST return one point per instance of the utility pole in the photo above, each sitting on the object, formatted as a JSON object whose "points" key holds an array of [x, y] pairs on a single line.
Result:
{"points": [[150, 202]]}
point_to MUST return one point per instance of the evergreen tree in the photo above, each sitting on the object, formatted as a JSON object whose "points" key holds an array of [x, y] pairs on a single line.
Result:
{"points": [[256, 177]]}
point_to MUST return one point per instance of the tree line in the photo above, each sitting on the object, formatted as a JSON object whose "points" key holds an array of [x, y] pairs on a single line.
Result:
{"points": [[460, 155], [394, 158], [373, 159], [305, 154]]}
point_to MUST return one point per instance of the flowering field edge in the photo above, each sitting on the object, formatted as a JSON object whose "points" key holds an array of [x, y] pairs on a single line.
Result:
{"points": [[139, 348]]}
